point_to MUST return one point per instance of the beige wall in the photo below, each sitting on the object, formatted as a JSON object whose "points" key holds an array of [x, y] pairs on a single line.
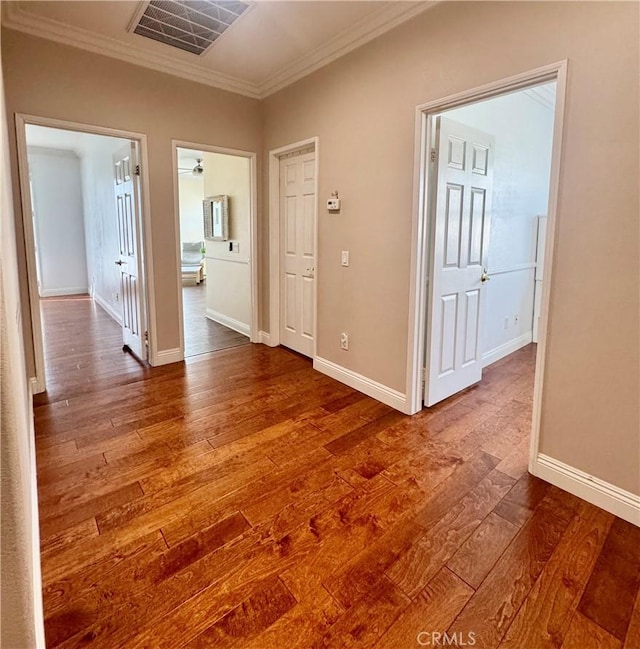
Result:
{"points": [[362, 107], [52, 80], [229, 273], [21, 622]]}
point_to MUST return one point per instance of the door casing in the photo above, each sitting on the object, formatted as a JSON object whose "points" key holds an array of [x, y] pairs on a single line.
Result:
{"points": [[38, 382], [421, 248], [273, 337]]}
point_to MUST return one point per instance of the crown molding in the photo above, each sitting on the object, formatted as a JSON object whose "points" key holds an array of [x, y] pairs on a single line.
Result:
{"points": [[386, 18], [375, 24], [20, 20]]}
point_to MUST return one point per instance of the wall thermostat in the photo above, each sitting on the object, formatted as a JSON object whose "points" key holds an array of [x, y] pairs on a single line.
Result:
{"points": [[333, 204]]}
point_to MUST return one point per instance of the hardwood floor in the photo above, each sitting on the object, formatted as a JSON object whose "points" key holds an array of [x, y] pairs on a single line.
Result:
{"points": [[244, 500], [202, 335]]}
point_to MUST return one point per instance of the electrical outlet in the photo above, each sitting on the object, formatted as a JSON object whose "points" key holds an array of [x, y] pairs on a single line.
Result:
{"points": [[506, 322], [516, 319], [344, 341]]}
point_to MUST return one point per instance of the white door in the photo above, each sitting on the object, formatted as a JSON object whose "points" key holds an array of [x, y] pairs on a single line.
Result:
{"points": [[461, 219], [130, 258], [297, 252]]}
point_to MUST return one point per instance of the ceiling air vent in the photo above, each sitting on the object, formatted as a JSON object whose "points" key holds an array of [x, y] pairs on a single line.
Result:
{"points": [[189, 25]]}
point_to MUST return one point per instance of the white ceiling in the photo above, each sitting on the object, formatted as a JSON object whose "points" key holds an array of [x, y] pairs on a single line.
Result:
{"points": [[271, 45]]}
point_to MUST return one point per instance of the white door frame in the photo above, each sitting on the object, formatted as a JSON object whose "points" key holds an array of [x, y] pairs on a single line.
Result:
{"points": [[421, 246], [22, 120], [253, 228], [273, 337]]}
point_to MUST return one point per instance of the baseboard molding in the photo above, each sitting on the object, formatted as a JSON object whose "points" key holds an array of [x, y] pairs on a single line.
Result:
{"points": [[598, 492], [264, 338], [371, 388], [236, 325], [507, 348], [35, 385], [107, 308], [167, 356], [59, 292]]}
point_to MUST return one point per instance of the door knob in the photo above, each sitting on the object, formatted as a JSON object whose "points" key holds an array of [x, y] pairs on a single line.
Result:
{"points": [[485, 276], [120, 262]]}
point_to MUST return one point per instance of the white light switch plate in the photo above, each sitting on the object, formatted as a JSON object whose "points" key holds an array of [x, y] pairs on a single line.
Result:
{"points": [[344, 258]]}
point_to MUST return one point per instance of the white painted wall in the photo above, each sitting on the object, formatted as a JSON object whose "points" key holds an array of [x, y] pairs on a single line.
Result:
{"points": [[101, 221], [58, 221], [191, 194], [228, 273], [523, 130]]}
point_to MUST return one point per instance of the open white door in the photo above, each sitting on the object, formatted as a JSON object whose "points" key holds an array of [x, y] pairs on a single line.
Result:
{"points": [[297, 252], [461, 220], [130, 259]]}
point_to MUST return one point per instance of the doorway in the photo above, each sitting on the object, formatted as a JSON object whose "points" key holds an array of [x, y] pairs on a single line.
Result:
{"points": [[215, 228], [425, 226], [293, 228], [83, 209]]}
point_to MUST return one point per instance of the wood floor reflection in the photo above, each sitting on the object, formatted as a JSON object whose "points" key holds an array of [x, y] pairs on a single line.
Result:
{"points": [[244, 500]]}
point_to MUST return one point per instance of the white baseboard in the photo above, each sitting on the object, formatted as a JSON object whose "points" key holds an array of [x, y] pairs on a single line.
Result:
{"points": [[59, 292], [236, 325], [107, 308], [167, 356], [505, 349], [36, 385], [598, 492], [371, 388], [264, 338]]}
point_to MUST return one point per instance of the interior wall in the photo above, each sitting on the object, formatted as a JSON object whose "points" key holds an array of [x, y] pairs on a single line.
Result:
{"points": [[523, 130], [53, 80], [101, 221], [229, 271], [21, 618], [191, 194], [59, 221], [362, 108]]}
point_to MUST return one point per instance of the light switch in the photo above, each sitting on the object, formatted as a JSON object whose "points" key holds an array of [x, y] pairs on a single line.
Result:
{"points": [[344, 258]]}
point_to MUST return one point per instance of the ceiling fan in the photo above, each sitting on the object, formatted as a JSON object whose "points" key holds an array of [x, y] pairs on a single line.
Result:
{"points": [[198, 170]]}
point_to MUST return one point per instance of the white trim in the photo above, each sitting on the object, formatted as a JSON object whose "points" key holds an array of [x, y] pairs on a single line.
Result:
{"points": [[420, 237], [274, 237], [387, 17], [264, 338], [253, 228], [149, 305], [495, 354], [231, 323], [36, 574], [246, 262], [109, 310], [603, 494], [60, 292], [35, 385], [361, 383], [167, 356], [516, 268]]}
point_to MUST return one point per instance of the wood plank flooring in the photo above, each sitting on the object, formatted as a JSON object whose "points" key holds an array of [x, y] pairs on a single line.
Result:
{"points": [[244, 500], [202, 335]]}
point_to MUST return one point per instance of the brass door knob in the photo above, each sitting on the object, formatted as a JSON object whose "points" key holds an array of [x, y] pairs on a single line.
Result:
{"points": [[485, 276]]}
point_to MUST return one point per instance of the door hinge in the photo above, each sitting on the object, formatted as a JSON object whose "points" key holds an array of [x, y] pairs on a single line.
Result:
{"points": [[423, 376], [146, 338], [137, 170], [433, 155]]}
